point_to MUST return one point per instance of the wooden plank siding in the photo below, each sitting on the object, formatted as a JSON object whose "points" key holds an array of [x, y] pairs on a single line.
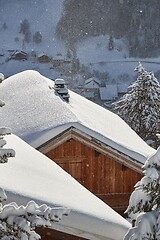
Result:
{"points": [[51, 234], [110, 180]]}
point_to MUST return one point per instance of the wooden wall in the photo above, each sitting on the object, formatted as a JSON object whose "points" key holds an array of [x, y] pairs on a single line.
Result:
{"points": [[108, 179], [51, 234]]}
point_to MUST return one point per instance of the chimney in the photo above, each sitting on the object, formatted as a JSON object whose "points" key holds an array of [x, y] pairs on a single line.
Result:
{"points": [[61, 89]]}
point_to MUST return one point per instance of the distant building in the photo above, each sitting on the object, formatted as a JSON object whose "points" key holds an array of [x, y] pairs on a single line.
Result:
{"points": [[108, 93], [92, 83], [89, 95], [59, 60], [43, 58], [19, 55], [122, 89], [91, 88]]}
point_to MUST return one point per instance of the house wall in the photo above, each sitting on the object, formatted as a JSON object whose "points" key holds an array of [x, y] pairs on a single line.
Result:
{"points": [[20, 56], [110, 180], [51, 234], [44, 59]]}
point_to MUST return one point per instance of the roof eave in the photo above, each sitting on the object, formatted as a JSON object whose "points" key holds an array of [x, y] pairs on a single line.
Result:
{"points": [[78, 132]]}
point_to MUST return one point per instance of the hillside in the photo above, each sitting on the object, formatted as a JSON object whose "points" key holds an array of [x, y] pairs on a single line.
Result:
{"points": [[34, 29]]}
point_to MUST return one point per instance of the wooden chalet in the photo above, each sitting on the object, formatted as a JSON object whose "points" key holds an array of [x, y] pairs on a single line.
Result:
{"points": [[81, 215], [110, 175], [19, 55], [92, 144], [43, 58]]}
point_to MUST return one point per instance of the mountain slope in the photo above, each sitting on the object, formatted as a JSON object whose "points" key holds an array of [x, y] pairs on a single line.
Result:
{"points": [[41, 15]]}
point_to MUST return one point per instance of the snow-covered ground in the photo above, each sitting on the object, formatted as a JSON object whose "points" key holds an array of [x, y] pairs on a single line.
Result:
{"points": [[93, 52], [43, 17]]}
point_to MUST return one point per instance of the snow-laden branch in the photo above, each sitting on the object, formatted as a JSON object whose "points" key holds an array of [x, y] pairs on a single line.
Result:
{"points": [[140, 107], [20, 221], [5, 154], [145, 202]]}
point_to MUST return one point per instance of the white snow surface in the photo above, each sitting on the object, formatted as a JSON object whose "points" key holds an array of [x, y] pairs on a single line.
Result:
{"points": [[36, 114], [31, 175]]}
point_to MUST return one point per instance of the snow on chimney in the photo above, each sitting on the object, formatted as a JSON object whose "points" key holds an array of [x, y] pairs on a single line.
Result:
{"points": [[61, 89]]}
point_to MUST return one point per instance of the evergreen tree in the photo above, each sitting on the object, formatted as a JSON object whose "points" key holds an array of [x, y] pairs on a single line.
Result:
{"points": [[144, 204], [69, 55], [27, 37], [37, 37], [140, 107], [24, 26], [4, 26], [19, 222], [110, 43]]}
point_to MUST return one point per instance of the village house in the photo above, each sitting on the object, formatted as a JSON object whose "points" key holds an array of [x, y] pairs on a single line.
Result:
{"points": [[59, 60], [108, 93], [92, 144], [122, 89], [91, 88], [33, 176], [92, 83], [43, 58], [19, 55]]}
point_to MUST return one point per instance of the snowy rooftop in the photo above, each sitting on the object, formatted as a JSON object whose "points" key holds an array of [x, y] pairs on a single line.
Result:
{"points": [[92, 80], [109, 92], [36, 114], [31, 175], [92, 83], [122, 88]]}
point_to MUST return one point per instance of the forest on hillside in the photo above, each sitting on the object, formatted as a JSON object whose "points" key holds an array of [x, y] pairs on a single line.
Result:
{"points": [[137, 21]]}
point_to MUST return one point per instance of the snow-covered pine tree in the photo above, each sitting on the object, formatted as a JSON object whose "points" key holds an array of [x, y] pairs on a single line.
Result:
{"points": [[19, 222], [144, 203], [110, 43], [140, 107]]}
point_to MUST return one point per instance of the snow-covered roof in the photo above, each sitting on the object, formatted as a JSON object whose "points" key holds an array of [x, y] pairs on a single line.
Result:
{"points": [[42, 54], [92, 83], [31, 175], [109, 92], [36, 114], [19, 52], [122, 88], [88, 94], [92, 80]]}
